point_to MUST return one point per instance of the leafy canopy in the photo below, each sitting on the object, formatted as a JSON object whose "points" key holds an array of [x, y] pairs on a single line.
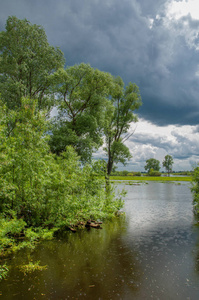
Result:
{"points": [[195, 190], [40, 187], [82, 98], [167, 163], [27, 63], [152, 163], [118, 118]]}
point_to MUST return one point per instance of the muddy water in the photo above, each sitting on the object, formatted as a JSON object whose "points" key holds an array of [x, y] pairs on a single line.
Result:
{"points": [[152, 253]]}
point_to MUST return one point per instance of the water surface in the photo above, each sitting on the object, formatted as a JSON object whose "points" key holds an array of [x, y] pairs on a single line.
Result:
{"points": [[152, 253]]}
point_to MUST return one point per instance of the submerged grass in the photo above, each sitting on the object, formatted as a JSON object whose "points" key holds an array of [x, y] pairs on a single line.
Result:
{"points": [[31, 267], [151, 178]]}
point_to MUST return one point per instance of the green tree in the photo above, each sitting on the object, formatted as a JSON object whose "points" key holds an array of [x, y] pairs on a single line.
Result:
{"points": [[154, 173], [82, 98], [26, 164], [24, 161], [27, 63], [167, 163], [195, 190], [40, 187], [119, 116], [152, 163]]}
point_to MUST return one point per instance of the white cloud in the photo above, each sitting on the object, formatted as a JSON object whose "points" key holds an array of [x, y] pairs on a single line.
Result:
{"points": [[179, 9], [183, 17], [151, 141], [150, 23]]}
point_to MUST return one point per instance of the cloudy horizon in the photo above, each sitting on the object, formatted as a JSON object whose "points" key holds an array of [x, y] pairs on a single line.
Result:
{"points": [[152, 141], [155, 45]]}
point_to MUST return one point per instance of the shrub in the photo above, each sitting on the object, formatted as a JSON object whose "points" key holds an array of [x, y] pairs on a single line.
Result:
{"points": [[195, 190], [40, 189], [3, 271], [154, 173], [137, 174]]}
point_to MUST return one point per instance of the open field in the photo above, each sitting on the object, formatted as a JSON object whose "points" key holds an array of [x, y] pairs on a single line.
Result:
{"points": [[150, 178]]}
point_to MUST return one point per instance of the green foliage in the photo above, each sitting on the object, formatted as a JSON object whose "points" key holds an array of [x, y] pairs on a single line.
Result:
{"points": [[39, 189], [195, 190], [186, 173], [152, 163], [24, 163], [120, 152], [137, 174], [82, 97], [27, 63], [118, 118], [167, 163], [124, 173], [150, 178], [16, 235], [3, 271], [32, 267], [154, 173], [10, 230]]}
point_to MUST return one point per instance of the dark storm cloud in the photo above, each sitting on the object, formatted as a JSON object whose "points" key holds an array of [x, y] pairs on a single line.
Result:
{"points": [[150, 8], [128, 38]]}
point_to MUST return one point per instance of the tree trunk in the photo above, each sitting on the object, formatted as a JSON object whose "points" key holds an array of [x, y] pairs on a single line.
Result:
{"points": [[109, 167], [110, 159]]}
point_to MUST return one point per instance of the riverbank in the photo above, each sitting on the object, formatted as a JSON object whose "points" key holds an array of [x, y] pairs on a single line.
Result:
{"points": [[152, 178], [150, 253]]}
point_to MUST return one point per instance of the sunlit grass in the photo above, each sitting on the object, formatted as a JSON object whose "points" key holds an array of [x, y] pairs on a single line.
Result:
{"points": [[151, 178]]}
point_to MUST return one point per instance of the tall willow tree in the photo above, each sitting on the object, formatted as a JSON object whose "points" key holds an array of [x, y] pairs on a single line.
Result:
{"points": [[27, 63], [82, 99], [119, 117], [167, 163]]}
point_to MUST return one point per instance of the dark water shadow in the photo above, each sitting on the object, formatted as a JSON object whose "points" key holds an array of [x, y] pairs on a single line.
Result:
{"points": [[151, 253], [90, 265]]}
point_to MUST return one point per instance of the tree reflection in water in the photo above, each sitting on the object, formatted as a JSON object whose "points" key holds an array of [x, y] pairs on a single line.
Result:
{"points": [[93, 264], [150, 253]]}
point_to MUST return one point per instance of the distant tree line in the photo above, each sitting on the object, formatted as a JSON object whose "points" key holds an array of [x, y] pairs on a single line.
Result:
{"points": [[153, 165], [125, 173]]}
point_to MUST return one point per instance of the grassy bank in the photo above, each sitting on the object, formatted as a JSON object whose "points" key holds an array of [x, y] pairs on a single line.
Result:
{"points": [[151, 178]]}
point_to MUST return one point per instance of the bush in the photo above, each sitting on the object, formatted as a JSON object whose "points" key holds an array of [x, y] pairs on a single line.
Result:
{"points": [[40, 187], [3, 271], [154, 173], [195, 190], [137, 174], [124, 173]]}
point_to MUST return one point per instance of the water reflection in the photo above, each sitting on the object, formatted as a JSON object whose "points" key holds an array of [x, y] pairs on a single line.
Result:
{"points": [[152, 253], [93, 265], [161, 230]]}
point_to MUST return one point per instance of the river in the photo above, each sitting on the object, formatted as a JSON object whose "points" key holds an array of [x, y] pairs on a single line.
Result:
{"points": [[151, 253]]}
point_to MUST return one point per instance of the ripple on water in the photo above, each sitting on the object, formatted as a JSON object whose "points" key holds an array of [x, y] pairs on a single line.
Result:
{"points": [[150, 254]]}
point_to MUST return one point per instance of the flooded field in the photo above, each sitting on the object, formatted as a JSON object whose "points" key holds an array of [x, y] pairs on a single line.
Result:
{"points": [[151, 253]]}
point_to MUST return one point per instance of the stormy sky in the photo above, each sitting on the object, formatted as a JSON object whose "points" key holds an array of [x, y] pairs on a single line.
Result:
{"points": [[152, 43]]}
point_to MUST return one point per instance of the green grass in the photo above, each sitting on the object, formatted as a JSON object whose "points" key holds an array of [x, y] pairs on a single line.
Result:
{"points": [[151, 178]]}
